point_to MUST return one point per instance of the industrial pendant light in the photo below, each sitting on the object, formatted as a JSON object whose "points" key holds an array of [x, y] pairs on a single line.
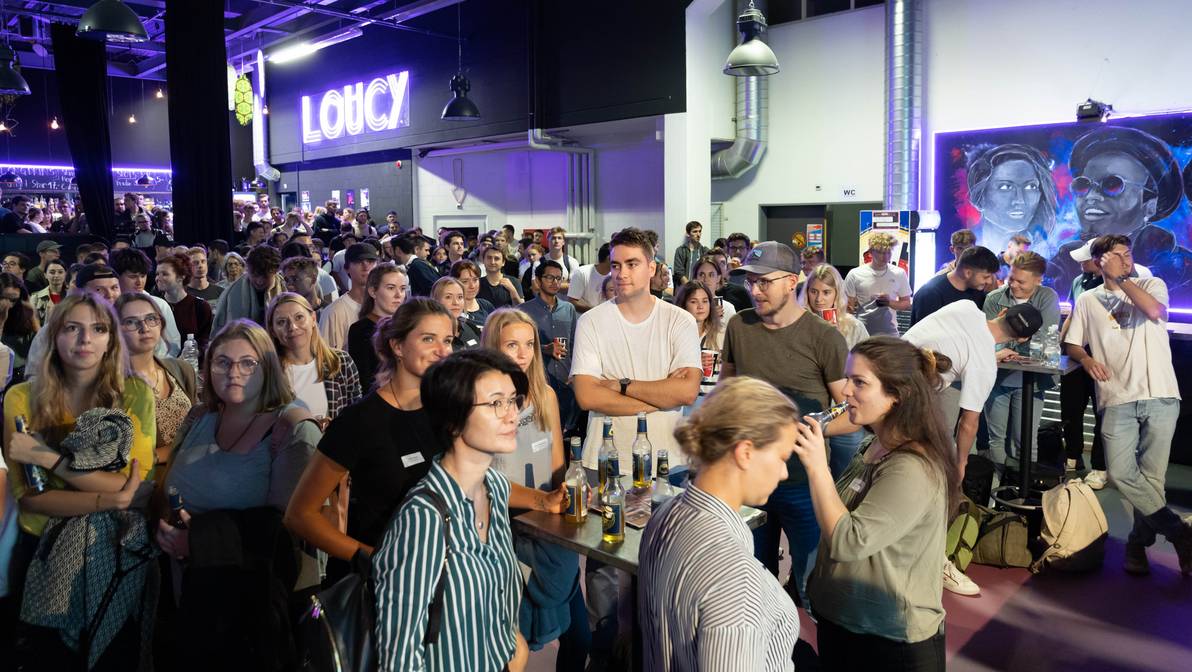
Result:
{"points": [[752, 57], [111, 21], [144, 180], [11, 81], [460, 108]]}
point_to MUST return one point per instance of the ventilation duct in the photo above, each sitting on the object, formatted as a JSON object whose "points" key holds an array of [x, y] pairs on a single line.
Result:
{"points": [[260, 129], [904, 102], [748, 147]]}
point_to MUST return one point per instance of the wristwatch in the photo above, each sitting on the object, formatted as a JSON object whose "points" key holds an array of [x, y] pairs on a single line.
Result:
{"points": [[624, 385]]}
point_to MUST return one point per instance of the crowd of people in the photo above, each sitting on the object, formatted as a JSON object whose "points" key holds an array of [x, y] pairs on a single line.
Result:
{"points": [[199, 438]]}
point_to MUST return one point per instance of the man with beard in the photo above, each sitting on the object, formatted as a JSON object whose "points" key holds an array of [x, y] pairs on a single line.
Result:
{"points": [[1124, 179]]}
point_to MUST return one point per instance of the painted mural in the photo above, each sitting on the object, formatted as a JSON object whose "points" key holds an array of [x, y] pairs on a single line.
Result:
{"points": [[1063, 184]]}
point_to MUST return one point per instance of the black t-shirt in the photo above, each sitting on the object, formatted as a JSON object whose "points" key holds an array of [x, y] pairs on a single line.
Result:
{"points": [[210, 295], [387, 451], [939, 292], [360, 347], [736, 295], [498, 296], [422, 276]]}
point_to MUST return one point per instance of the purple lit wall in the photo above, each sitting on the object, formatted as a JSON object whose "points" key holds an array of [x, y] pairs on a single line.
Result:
{"points": [[1062, 184]]}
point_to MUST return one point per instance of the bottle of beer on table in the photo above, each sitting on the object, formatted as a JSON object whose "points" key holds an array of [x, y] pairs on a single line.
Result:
{"points": [[36, 478], [642, 452], [613, 505], [662, 487], [609, 462], [576, 483]]}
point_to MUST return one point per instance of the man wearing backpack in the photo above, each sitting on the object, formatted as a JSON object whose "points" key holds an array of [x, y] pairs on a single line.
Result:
{"points": [[1124, 324]]}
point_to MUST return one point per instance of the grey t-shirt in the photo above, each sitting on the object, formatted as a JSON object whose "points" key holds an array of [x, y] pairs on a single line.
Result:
{"points": [[799, 359]]}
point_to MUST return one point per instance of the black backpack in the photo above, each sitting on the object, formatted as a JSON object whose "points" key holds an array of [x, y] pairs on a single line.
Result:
{"points": [[337, 631]]}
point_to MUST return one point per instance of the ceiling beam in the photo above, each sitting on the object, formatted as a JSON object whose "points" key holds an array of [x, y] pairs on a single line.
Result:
{"points": [[35, 62], [374, 20]]}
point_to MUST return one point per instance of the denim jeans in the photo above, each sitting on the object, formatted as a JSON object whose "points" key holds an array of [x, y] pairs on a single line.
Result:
{"points": [[1076, 390], [1003, 413], [1137, 438], [841, 450], [788, 510]]}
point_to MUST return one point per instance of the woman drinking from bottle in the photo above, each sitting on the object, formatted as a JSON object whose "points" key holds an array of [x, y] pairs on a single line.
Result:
{"points": [[876, 588]]}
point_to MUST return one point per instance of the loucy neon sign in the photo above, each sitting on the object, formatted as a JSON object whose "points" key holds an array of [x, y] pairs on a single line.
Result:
{"points": [[355, 109]]}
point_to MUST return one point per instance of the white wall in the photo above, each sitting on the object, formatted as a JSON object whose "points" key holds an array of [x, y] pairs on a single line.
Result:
{"points": [[988, 64]]}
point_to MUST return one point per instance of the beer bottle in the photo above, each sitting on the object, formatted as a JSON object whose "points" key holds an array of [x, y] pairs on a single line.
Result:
{"points": [[608, 460], [175, 500], [613, 506], [662, 486], [576, 483], [642, 453], [36, 478]]}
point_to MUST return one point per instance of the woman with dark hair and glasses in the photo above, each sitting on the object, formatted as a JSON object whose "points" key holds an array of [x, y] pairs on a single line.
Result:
{"points": [[171, 379], [472, 399]]}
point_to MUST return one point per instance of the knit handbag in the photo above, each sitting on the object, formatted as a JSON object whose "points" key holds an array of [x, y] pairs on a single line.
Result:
{"points": [[101, 440]]}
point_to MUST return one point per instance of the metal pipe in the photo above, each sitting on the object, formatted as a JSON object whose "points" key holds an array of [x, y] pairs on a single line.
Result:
{"points": [[904, 102], [752, 101], [377, 21]]}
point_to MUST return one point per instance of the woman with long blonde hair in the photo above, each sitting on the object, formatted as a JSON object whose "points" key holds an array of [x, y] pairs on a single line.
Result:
{"points": [[822, 292], [86, 368], [324, 380]]}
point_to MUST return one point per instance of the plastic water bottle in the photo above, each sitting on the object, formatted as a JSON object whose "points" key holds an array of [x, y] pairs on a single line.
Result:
{"points": [[1051, 347], [1037, 347], [190, 355]]}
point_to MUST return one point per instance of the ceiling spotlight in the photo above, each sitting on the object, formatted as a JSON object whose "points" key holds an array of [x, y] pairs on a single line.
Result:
{"points": [[132, 118], [1093, 110], [159, 94], [752, 57], [11, 81], [54, 125], [111, 21], [265, 108]]}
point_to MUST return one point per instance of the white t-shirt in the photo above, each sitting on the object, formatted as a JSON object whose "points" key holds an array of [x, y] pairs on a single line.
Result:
{"points": [[863, 284], [570, 267], [585, 285], [608, 347], [308, 389], [335, 320], [959, 331], [1135, 349]]}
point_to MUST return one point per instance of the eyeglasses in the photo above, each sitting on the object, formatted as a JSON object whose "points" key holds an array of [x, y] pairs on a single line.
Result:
{"points": [[764, 283], [501, 406], [1110, 185], [552, 278], [224, 365], [136, 323]]}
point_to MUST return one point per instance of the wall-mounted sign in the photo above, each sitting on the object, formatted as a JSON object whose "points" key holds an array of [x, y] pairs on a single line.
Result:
{"points": [[38, 178], [382, 104]]}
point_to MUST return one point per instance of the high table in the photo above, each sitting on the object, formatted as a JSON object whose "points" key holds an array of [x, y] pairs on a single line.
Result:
{"points": [[1030, 369]]}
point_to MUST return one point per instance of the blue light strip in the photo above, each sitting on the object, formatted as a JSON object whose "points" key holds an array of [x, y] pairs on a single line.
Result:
{"points": [[124, 169]]}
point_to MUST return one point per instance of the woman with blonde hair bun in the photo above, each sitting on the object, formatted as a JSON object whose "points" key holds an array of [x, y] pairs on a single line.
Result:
{"points": [[706, 601]]}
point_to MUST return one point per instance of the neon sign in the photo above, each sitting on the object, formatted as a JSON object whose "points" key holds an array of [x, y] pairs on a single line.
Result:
{"points": [[355, 109]]}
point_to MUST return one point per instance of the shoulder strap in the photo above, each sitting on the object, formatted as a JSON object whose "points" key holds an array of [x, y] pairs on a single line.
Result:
{"points": [[435, 613]]}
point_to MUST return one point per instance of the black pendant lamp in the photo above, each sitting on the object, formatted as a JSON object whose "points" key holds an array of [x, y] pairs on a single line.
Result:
{"points": [[144, 180], [112, 21], [460, 108], [11, 81]]}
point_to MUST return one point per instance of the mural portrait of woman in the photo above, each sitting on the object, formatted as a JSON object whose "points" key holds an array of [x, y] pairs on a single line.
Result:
{"points": [[1012, 187]]}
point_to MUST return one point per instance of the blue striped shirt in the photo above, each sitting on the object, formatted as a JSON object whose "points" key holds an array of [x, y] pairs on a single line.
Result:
{"points": [[706, 604], [483, 590]]}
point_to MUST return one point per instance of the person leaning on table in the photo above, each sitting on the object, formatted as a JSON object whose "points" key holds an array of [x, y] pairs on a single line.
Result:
{"points": [[707, 603]]}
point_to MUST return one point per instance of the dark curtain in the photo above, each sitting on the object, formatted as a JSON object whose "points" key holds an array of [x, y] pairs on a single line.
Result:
{"points": [[81, 68], [200, 148]]}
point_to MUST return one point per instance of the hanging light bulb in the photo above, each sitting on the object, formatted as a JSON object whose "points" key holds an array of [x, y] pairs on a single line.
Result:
{"points": [[160, 93], [132, 118], [3, 127], [265, 108], [54, 125]]}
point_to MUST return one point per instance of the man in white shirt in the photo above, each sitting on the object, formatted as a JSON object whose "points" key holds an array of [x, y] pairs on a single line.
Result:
{"points": [[877, 289], [584, 292], [335, 319], [1124, 324], [557, 251], [633, 355]]}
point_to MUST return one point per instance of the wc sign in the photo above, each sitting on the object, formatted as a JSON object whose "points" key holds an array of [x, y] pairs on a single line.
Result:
{"points": [[382, 104]]}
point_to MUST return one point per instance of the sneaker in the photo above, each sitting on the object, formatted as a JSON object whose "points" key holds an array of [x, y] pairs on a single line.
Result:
{"points": [[1096, 479], [1136, 563], [955, 581]]}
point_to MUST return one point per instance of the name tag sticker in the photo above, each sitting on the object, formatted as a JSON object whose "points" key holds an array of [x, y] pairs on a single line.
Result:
{"points": [[540, 445], [412, 459], [857, 485]]}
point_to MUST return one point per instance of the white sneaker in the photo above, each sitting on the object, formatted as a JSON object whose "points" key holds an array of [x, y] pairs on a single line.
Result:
{"points": [[955, 581], [1096, 479]]}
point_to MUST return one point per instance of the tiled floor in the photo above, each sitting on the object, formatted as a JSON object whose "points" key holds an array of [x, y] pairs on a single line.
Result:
{"points": [[1104, 621]]}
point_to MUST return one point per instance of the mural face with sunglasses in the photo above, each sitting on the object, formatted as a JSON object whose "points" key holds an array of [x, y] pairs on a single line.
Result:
{"points": [[1113, 196]]}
